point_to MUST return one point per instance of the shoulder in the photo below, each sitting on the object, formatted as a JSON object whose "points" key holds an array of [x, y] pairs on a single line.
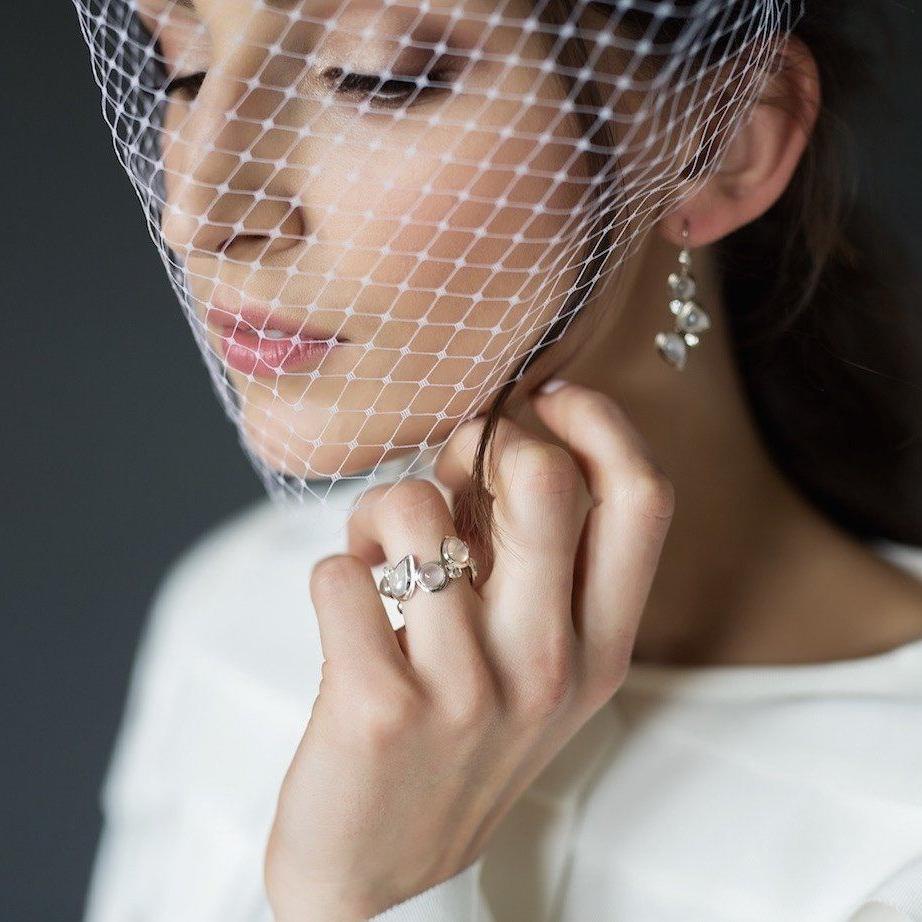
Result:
{"points": [[239, 596], [239, 546], [230, 628]]}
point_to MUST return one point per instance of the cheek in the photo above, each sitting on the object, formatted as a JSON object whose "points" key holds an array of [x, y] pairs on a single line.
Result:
{"points": [[452, 252], [451, 245]]}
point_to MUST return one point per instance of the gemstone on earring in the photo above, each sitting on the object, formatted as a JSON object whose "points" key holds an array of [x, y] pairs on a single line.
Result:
{"points": [[693, 318], [401, 577], [432, 576], [691, 339], [683, 286], [455, 552], [673, 348]]}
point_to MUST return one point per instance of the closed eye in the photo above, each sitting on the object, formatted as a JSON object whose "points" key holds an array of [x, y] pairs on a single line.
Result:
{"points": [[189, 83], [386, 93]]}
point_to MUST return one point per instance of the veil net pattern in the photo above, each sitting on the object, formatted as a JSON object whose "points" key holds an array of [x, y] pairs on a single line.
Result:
{"points": [[376, 213]]}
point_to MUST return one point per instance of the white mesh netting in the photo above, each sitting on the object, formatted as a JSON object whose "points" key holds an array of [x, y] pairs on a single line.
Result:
{"points": [[377, 213]]}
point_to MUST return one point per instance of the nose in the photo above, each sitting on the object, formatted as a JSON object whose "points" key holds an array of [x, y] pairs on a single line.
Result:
{"points": [[228, 188]]}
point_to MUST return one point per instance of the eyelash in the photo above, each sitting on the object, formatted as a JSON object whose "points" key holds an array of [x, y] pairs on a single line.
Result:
{"points": [[191, 83], [366, 85], [391, 93]]}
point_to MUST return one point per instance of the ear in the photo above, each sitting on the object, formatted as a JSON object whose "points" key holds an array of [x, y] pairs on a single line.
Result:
{"points": [[761, 160]]}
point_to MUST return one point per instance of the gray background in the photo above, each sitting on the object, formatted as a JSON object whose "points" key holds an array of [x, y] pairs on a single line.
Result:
{"points": [[115, 453]]}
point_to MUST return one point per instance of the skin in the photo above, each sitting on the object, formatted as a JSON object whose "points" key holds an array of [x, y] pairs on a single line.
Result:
{"points": [[298, 238], [461, 708], [459, 327]]}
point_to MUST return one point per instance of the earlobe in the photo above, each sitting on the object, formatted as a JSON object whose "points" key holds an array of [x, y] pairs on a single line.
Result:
{"points": [[761, 161]]}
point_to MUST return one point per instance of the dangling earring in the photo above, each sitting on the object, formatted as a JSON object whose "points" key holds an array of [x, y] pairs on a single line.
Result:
{"points": [[691, 319]]}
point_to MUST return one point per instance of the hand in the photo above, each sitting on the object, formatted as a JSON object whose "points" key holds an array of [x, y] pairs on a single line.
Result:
{"points": [[421, 740]]}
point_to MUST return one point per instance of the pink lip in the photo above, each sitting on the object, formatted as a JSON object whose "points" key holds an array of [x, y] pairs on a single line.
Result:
{"points": [[247, 349]]}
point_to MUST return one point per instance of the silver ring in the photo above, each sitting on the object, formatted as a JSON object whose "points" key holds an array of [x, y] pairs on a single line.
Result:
{"points": [[400, 581]]}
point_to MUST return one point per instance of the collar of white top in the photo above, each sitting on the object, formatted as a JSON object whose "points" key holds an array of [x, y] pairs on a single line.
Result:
{"points": [[893, 673]]}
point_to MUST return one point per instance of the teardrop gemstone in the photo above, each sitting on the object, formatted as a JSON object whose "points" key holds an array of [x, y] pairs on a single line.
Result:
{"points": [[401, 579], [672, 348]]}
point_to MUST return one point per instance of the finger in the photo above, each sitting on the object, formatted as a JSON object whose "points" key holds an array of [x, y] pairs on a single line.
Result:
{"points": [[540, 504], [411, 518], [467, 499], [350, 613], [366, 538], [633, 502], [455, 463]]}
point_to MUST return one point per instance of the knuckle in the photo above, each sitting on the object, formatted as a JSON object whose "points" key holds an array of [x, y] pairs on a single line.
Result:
{"points": [[652, 494], [386, 716], [330, 574], [545, 469], [412, 502]]}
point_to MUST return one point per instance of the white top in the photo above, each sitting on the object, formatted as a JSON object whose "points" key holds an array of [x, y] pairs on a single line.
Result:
{"points": [[719, 794]]}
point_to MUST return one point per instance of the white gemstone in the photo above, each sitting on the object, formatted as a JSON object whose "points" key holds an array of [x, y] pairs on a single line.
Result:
{"points": [[455, 551], [693, 318], [401, 579], [683, 286], [432, 576], [672, 348]]}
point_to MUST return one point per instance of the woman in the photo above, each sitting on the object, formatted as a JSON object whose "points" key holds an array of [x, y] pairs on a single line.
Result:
{"points": [[650, 666]]}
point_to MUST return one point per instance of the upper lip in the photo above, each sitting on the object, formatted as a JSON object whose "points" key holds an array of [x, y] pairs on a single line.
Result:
{"points": [[259, 318]]}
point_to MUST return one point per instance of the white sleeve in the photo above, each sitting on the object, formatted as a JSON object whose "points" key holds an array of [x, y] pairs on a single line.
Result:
{"points": [[897, 899], [458, 899]]}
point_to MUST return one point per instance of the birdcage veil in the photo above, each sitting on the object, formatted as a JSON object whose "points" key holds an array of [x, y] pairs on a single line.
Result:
{"points": [[377, 214]]}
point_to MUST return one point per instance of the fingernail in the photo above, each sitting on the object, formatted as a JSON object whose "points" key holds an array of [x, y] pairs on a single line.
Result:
{"points": [[551, 385]]}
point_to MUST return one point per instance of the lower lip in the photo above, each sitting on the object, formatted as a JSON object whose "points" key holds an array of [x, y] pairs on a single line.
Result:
{"points": [[251, 354]]}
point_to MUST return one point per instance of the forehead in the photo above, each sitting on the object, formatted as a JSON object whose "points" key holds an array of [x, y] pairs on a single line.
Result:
{"points": [[461, 23]]}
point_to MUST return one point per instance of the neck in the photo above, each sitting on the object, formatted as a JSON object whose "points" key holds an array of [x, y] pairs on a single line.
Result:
{"points": [[750, 572]]}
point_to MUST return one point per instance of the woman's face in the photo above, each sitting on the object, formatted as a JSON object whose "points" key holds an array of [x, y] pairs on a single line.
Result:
{"points": [[368, 257]]}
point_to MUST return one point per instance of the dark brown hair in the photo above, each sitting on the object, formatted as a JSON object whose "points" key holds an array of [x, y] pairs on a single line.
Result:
{"points": [[828, 343]]}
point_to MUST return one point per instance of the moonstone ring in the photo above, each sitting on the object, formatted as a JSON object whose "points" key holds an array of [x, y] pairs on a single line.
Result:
{"points": [[402, 580]]}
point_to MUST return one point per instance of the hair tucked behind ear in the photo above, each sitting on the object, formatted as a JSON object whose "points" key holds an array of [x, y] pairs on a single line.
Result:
{"points": [[824, 326]]}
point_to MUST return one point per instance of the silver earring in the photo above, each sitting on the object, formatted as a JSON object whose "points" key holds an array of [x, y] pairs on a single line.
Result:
{"points": [[691, 320]]}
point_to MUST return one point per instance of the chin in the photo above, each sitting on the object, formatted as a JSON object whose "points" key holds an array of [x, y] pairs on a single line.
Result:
{"points": [[312, 442], [327, 429]]}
